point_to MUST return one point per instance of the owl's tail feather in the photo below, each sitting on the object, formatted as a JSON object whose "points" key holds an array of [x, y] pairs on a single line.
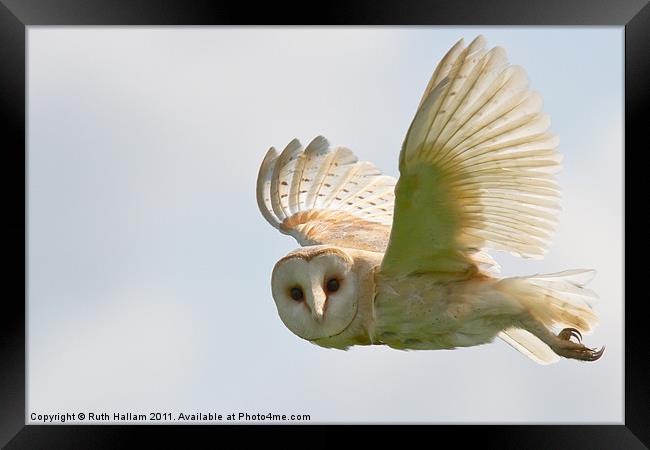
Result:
{"points": [[556, 300]]}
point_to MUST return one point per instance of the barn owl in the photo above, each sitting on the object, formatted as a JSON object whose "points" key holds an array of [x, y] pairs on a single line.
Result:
{"points": [[403, 263]]}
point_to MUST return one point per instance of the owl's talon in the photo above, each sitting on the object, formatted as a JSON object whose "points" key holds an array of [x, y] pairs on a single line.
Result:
{"points": [[576, 350], [581, 353], [568, 333], [596, 354]]}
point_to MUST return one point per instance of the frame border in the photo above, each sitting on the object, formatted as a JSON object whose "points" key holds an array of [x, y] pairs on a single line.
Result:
{"points": [[17, 15]]}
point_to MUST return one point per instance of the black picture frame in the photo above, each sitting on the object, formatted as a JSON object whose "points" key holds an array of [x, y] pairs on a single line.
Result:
{"points": [[16, 15]]}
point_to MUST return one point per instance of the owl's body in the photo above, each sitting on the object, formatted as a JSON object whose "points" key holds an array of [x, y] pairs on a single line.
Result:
{"points": [[424, 312], [436, 314], [402, 263]]}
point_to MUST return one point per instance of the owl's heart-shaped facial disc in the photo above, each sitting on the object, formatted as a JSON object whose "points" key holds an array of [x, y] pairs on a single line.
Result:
{"points": [[315, 291]]}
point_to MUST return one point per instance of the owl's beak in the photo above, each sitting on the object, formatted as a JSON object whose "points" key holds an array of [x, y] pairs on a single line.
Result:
{"points": [[318, 299]]}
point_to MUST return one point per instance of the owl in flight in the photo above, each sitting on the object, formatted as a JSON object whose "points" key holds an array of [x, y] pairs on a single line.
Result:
{"points": [[402, 262]]}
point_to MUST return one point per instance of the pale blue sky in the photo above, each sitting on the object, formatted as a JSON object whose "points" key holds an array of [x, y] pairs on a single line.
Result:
{"points": [[149, 265]]}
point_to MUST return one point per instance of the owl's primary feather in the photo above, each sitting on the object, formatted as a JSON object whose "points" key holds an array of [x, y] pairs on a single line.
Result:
{"points": [[409, 269], [479, 159], [319, 195]]}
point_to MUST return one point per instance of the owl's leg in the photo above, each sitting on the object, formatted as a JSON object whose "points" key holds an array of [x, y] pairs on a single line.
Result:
{"points": [[540, 301], [561, 343]]}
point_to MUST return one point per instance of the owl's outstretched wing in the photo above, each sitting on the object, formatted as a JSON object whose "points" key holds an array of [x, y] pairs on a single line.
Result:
{"points": [[326, 196], [476, 168]]}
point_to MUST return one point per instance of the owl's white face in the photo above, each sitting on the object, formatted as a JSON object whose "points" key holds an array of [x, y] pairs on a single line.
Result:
{"points": [[315, 291]]}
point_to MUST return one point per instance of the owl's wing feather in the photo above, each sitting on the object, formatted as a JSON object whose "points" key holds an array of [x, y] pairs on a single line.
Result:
{"points": [[530, 345], [476, 168], [320, 195]]}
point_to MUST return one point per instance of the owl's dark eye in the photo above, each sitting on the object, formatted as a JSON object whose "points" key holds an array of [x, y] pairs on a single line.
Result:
{"points": [[296, 293], [332, 285]]}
